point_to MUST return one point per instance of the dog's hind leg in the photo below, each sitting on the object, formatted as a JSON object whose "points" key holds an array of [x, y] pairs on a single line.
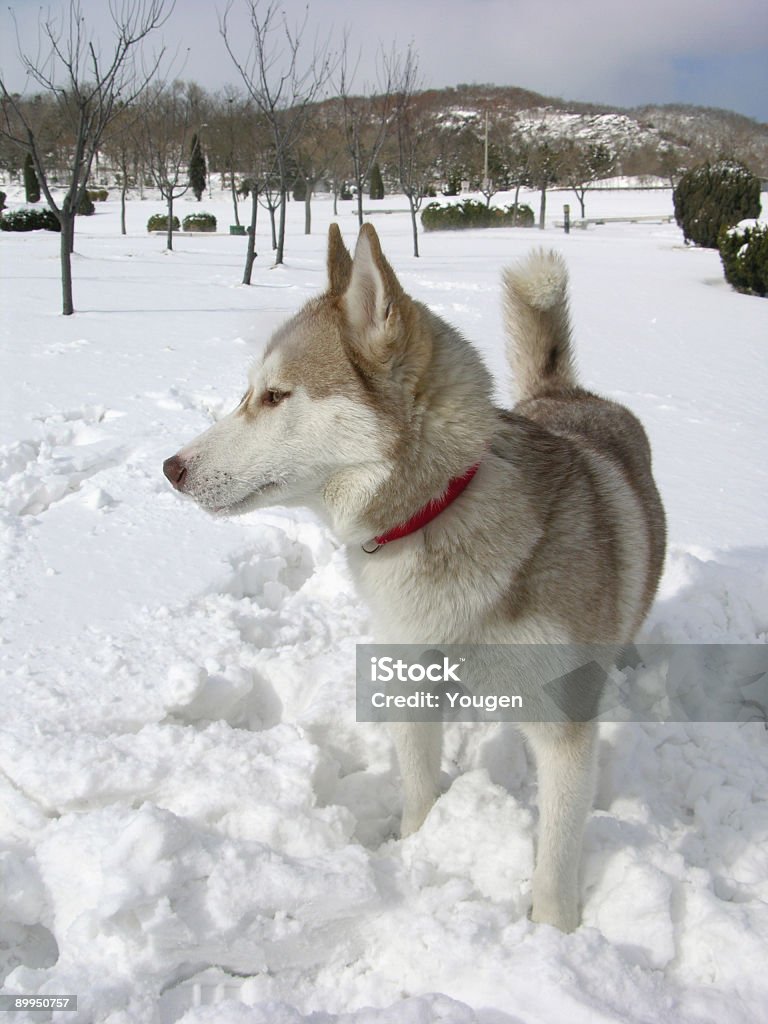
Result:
{"points": [[565, 757], [419, 746]]}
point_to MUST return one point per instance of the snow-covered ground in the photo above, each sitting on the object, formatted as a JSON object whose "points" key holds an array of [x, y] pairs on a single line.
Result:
{"points": [[193, 827]]}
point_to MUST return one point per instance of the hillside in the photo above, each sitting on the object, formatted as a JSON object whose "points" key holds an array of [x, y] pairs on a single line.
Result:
{"points": [[642, 135]]}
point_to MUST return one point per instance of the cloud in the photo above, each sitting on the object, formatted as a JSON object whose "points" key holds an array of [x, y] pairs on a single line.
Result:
{"points": [[609, 51]]}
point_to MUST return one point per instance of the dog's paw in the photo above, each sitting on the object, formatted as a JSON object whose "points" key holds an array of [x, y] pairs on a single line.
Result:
{"points": [[413, 820], [557, 913]]}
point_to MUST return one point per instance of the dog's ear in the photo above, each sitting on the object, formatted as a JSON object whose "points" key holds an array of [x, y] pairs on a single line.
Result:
{"points": [[375, 301], [339, 262], [383, 318]]}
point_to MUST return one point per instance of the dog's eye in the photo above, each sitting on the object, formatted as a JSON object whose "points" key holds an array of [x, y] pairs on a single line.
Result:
{"points": [[273, 397]]}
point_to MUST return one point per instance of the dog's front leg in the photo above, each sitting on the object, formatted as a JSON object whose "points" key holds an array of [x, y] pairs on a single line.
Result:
{"points": [[418, 746], [565, 758]]}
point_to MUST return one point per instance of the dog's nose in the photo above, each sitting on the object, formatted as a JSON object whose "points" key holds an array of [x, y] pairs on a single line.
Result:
{"points": [[175, 470]]}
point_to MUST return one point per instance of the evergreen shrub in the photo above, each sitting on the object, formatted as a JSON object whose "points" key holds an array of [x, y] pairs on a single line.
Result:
{"points": [[744, 253], [711, 197], [86, 207], [473, 214], [30, 220], [199, 222], [97, 195], [159, 222]]}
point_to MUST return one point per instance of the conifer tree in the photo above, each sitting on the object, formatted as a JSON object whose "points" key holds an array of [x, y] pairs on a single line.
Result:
{"points": [[197, 169], [376, 189], [31, 184], [711, 197]]}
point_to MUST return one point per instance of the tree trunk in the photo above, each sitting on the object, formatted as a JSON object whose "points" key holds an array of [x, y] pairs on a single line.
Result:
{"points": [[543, 207], [360, 202], [335, 200], [308, 209], [123, 192], [67, 221], [414, 226], [250, 254], [169, 237], [272, 225], [234, 196], [517, 204], [72, 208], [281, 229]]}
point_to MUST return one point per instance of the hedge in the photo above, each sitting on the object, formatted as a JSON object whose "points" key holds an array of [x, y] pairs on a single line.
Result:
{"points": [[199, 222], [30, 220], [473, 214], [159, 222]]}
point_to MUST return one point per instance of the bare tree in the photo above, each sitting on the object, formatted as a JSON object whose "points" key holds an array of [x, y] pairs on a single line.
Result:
{"points": [[498, 163], [328, 132], [260, 182], [270, 193], [122, 146], [583, 165], [366, 119], [89, 89], [545, 170], [250, 187], [671, 163], [167, 128], [230, 124], [415, 138], [308, 171], [519, 164], [456, 152], [280, 83], [316, 155]]}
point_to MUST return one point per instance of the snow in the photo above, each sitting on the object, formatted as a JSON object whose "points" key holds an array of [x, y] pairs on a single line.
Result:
{"points": [[193, 828], [614, 130]]}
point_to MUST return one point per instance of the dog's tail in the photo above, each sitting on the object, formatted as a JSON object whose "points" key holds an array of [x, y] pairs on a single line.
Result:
{"points": [[538, 324]]}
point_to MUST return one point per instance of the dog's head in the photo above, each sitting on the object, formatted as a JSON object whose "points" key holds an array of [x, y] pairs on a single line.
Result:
{"points": [[328, 405]]}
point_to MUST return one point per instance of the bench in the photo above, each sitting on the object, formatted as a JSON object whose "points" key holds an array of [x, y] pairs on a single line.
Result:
{"points": [[584, 222]]}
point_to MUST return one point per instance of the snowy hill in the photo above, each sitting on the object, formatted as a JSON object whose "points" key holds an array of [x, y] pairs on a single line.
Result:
{"points": [[697, 132]]}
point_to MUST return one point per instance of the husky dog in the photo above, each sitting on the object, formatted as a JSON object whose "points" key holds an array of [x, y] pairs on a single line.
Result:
{"points": [[464, 523]]}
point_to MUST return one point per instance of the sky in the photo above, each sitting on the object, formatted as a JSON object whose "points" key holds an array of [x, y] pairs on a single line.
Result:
{"points": [[706, 52]]}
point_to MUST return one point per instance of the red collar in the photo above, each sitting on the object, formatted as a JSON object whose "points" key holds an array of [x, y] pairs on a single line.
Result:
{"points": [[426, 514]]}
